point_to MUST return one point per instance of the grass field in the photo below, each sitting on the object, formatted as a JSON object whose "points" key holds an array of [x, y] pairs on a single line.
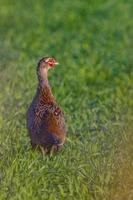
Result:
{"points": [[92, 40]]}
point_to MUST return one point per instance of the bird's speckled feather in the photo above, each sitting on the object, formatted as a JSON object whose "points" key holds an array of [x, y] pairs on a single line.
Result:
{"points": [[45, 120]]}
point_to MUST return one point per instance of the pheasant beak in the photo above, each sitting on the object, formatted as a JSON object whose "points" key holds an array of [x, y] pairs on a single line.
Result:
{"points": [[56, 63]]}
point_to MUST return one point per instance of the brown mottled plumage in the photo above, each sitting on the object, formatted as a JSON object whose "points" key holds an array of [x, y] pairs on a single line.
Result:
{"points": [[45, 120]]}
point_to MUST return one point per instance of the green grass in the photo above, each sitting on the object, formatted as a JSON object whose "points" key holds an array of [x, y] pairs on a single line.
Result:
{"points": [[92, 40]]}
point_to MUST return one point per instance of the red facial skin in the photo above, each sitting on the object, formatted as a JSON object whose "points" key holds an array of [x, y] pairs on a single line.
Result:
{"points": [[51, 62]]}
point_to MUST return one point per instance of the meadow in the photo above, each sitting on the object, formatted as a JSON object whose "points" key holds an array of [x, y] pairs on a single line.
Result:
{"points": [[92, 41]]}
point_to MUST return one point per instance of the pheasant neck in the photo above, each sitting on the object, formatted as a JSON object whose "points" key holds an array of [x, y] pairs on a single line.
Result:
{"points": [[43, 78], [43, 86]]}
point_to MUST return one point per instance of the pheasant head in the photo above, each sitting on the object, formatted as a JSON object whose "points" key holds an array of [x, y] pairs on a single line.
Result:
{"points": [[43, 66]]}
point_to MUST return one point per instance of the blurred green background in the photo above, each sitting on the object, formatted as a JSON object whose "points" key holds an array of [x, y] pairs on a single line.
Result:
{"points": [[92, 41]]}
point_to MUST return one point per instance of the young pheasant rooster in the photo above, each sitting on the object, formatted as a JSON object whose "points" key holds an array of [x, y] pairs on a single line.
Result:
{"points": [[45, 120]]}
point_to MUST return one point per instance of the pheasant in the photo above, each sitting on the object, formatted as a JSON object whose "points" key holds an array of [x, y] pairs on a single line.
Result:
{"points": [[44, 118]]}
